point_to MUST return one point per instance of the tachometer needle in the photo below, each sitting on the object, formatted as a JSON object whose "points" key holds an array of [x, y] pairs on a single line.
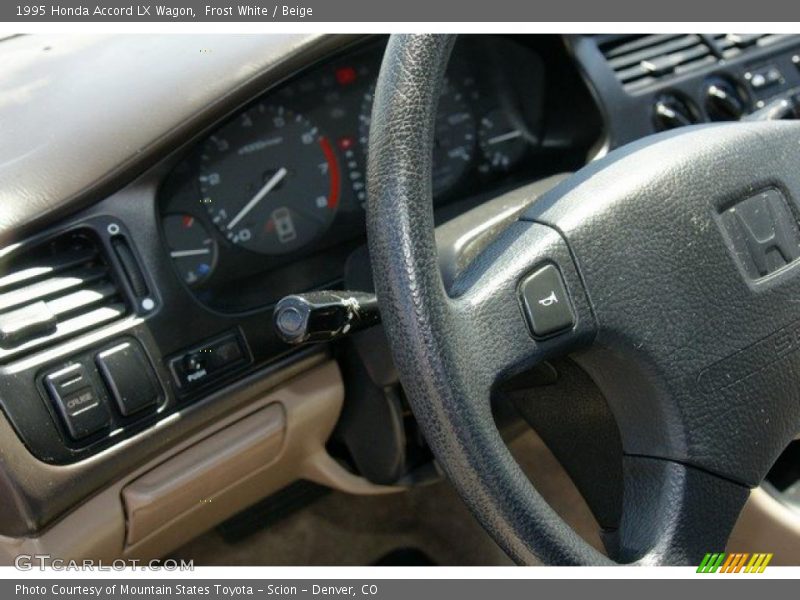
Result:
{"points": [[268, 187], [504, 137]]}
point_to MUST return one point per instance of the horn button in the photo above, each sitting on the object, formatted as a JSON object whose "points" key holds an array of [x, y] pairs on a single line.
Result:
{"points": [[546, 302]]}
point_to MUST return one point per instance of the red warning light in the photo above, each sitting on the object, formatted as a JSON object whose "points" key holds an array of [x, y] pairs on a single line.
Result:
{"points": [[346, 142], [345, 75], [187, 221]]}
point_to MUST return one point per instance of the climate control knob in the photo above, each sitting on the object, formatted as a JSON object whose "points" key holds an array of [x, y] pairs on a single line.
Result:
{"points": [[725, 100], [671, 111]]}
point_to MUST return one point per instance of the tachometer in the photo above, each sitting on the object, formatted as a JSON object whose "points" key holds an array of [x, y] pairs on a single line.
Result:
{"points": [[269, 180]]}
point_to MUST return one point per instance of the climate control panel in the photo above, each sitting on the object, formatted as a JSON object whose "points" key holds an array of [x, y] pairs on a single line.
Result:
{"points": [[730, 93]]}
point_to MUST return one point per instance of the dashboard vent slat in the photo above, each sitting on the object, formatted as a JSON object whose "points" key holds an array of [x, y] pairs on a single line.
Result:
{"points": [[640, 61], [47, 267], [50, 287], [730, 45], [67, 329], [53, 291], [82, 299], [635, 43], [658, 51]]}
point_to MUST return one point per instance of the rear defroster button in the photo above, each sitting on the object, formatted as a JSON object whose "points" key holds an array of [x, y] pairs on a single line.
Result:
{"points": [[545, 302]]}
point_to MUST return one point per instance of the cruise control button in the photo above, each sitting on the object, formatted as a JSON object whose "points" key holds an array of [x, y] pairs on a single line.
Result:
{"points": [[545, 302], [83, 411]]}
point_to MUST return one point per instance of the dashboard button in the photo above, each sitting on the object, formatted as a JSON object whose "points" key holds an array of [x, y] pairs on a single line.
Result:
{"points": [[207, 362], [73, 393], [194, 362], [764, 77], [545, 301], [129, 377], [224, 352]]}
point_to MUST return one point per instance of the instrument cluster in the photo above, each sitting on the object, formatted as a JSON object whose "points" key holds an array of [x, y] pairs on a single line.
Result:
{"points": [[272, 201]]}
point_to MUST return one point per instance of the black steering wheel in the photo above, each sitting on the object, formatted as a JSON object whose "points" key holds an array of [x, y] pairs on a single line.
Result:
{"points": [[667, 270]]}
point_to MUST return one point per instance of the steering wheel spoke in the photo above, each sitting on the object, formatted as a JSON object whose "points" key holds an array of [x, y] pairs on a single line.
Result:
{"points": [[521, 302], [673, 513]]}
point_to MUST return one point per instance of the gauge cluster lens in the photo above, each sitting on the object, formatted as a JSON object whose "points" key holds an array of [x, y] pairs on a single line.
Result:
{"points": [[454, 140], [191, 248], [273, 200], [269, 180]]}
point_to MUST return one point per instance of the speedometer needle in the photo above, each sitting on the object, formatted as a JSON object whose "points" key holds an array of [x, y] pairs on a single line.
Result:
{"points": [[268, 187]]}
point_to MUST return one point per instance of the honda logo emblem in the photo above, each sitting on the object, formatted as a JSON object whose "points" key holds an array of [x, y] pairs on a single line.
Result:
{"points": [[763, 233]]}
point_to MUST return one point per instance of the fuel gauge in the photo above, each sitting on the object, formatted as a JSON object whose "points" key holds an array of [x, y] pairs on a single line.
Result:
{"points": [[192, 250]]}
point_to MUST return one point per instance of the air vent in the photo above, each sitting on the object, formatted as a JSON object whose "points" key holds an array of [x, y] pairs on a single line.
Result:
{"points": [[640, 61], [54, 291], [730, 45]]}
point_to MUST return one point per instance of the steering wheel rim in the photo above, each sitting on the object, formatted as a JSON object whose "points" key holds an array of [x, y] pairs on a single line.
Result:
{"points": [[451, 347]]}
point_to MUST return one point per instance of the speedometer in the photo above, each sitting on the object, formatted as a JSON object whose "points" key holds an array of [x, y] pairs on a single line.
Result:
{"points": [[269, 180]]}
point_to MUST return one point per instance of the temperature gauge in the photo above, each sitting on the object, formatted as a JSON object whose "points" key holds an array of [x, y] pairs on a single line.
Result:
{"points": [[191, 248]]}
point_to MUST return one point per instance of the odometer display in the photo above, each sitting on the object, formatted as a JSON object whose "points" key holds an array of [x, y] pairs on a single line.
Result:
{"points": [[269, 180]]}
